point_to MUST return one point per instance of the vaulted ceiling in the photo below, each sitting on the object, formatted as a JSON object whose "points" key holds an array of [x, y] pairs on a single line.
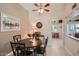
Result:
{"points": [[55, 8], [30, 6]]}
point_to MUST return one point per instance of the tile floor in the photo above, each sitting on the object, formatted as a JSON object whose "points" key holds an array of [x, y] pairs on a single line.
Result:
{"points": [[55, 48]]}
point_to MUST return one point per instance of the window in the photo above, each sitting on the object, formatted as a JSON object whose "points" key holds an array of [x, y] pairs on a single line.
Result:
{"points": [[70, 28], [77, 27], [54, 27]]}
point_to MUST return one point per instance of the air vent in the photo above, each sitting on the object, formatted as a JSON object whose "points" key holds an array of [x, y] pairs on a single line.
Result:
{"points": [[74, 5]]}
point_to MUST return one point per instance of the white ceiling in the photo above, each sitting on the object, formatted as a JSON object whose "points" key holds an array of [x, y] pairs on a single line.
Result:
{"points": [[53, 6]]}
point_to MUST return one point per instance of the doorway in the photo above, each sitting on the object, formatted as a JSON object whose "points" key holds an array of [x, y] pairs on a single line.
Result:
{"points": [[56, 29]]}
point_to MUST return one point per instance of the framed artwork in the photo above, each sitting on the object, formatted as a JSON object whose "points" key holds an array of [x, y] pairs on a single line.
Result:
{"points": [[9, 23]]}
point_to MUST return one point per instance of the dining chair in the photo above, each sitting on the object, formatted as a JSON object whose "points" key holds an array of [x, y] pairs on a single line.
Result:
{"points": [[41, 50], [16, 38], [37, 34], [42, 37], [19, 49]]}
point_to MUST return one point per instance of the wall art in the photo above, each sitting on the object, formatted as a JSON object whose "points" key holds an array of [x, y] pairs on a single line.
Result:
{"points": [[9, 23]]}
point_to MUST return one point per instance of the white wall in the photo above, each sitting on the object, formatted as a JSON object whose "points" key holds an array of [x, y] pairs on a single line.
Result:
{"points": [[70, 44], [5, 37], [56, 13]]}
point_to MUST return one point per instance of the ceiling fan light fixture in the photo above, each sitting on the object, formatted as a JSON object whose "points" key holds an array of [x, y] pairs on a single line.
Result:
{"points": [[40, 10]]}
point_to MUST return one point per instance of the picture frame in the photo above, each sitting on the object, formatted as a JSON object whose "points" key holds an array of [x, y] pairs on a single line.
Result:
{"points": [[9, 23]]}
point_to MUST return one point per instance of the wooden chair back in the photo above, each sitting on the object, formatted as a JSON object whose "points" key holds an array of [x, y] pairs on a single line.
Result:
{"points": [[17, 48], [16, 38]]}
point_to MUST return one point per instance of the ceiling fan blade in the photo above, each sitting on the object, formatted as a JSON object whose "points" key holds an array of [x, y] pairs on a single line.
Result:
{"points": [[34, 10], [46, 10], [36, 5], [47, 5]]}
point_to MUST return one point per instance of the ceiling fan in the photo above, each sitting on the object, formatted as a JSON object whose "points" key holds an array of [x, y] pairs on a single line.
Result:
{"points": [[41, 7]]}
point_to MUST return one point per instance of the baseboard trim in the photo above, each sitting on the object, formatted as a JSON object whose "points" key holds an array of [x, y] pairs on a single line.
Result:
{"points": [[10, 54], [68, 51]]}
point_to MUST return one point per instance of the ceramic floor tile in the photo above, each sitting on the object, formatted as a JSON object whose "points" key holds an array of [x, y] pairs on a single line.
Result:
{"points": [[55, 48]]}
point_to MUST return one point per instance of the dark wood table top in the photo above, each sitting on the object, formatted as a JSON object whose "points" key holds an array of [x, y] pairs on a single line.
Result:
{"points": [[31, 42]]}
